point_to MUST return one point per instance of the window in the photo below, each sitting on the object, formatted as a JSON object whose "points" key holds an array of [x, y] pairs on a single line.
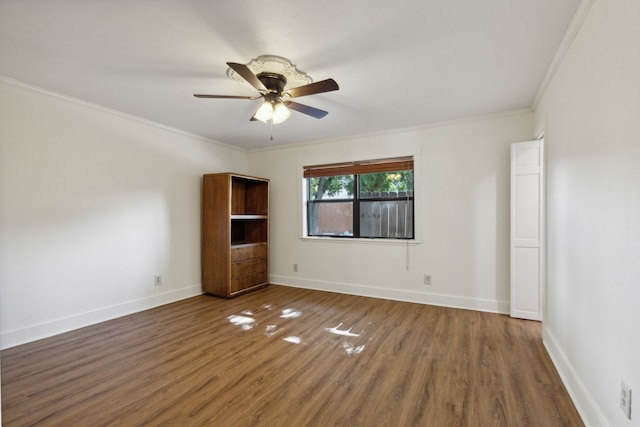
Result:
{"points": [[366, 199]]}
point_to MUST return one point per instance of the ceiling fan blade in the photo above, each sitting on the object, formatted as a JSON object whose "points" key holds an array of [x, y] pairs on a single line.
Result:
{"points": [[318, 87], [248, 75], [198, 95], [305, 109]]}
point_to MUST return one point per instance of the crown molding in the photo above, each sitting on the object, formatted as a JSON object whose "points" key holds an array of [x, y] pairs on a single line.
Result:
{"points": [[569, 36]]}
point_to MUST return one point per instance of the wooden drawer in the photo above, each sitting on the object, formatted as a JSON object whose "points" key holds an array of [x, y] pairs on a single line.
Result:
{"points": [[248, 281], [249, 266], [244, 252]]}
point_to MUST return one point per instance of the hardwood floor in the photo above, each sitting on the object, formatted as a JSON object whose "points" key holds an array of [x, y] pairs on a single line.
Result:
{"points": [[284, 356]]}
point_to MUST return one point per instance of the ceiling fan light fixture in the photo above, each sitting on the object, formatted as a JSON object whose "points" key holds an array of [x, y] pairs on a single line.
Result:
{"points": [[280, 113], [272, 109], [265, 112]]}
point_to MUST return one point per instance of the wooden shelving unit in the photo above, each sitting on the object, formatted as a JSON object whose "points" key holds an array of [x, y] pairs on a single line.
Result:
{"points": [[235, 233]]}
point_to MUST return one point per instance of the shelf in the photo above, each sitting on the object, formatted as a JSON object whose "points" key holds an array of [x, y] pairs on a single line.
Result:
{"points": [[249, 230], [239, 243], [245, 217], [249, 197]]}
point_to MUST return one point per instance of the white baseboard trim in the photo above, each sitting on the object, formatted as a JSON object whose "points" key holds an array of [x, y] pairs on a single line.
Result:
{"points": [[80, 320], [587, 406], [47, 329], [492, 306]]}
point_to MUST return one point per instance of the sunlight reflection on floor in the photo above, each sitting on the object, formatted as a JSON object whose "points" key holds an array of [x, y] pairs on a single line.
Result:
{"points": [[243, 321], [346, 333], [290, 313], [294, 340], [248, 319]]}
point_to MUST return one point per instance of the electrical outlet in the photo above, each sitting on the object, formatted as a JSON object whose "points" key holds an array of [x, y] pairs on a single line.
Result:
{"points": [[295, 268], [625, 399], [427, 279], [157, 280]]}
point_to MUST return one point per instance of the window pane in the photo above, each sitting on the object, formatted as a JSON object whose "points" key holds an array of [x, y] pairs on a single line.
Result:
{"points": [[331, 219], [390, 219], [386, 181], [331, 187]]}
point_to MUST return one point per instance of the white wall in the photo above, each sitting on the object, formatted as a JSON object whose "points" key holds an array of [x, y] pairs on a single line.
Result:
{"points": [[591, 116], [93, 204], [462, 215]]}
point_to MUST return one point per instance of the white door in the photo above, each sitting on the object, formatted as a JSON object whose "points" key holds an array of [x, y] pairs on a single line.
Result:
{"points": [[527, 230]]}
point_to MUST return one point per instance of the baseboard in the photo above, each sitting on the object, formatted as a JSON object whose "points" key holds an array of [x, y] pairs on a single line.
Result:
{"points": [[492, 306], [587, 406], [58, 326]]}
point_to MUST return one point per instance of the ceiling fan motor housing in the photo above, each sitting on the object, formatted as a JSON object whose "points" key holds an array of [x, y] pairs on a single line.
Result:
{"points": [[272, 81]]}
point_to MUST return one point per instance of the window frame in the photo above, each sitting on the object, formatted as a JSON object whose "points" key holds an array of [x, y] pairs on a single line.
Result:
{"points": [[358, 168]]}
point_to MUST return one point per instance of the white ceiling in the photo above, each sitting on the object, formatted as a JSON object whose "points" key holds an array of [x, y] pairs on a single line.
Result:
{"points": [[399, 64]]}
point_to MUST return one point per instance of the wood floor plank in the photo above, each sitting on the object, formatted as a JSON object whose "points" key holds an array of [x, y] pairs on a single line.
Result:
{"points": [[284, 356]]}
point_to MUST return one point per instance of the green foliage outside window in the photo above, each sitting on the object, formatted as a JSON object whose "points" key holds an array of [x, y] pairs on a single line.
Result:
{"points": [[331, 186], [343, 186], [387, 181]]}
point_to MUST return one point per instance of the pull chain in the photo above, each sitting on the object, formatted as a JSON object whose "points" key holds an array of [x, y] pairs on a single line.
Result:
{"points": [[408, 269]]}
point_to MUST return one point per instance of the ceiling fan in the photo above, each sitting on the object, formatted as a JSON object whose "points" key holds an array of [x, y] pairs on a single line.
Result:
{"points": [[277, 99]]}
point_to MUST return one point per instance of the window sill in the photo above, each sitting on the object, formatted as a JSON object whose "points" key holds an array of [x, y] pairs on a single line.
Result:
{"points": [[370, 241]]}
